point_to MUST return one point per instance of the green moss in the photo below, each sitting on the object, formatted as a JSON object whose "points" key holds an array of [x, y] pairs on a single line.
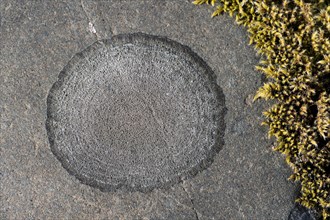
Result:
{"points": [[293, 37]]}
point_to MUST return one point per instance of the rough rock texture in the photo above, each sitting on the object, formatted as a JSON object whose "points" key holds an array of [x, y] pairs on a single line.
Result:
{"points": [[301, 213], [135, 112], [37, 39]]}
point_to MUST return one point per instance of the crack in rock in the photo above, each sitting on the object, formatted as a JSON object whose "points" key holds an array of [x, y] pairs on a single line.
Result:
{"points": [[91, 25], [191, 200]]}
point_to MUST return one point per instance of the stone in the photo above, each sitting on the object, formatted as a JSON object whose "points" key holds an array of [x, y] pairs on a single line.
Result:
{"points": [[301, 213], [246, 180]]}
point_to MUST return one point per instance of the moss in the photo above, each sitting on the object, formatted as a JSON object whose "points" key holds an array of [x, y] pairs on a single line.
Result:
{"points": [[293, 37]]}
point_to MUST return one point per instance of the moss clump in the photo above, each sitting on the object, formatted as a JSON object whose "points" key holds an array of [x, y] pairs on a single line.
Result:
{"points": [[293, 37]]}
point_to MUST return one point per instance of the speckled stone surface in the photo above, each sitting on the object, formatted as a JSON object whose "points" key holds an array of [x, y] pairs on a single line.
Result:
{"points": [[246, 180], [301, 213]]}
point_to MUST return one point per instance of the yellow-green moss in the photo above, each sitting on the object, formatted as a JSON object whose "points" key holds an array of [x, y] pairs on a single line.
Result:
{"points": [[293, 37]]}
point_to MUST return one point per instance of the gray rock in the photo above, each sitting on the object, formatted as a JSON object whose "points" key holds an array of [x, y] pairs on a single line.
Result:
{"points": [[301, 213], [247, 180]]}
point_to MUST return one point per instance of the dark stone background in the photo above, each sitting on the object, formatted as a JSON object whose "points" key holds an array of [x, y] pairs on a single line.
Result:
{"points": [[37, 38]]}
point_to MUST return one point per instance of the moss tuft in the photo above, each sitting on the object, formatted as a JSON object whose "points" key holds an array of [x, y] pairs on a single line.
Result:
{"points": [[293, 37]]}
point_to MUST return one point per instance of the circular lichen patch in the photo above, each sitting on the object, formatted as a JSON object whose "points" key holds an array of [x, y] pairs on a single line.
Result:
{"points": [[135, 112]]}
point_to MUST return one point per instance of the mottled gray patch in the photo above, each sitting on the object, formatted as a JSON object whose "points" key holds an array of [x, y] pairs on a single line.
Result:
{"points": [[301, 213], [135, 112]]}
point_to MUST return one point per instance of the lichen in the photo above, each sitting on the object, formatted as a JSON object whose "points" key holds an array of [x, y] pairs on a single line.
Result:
{"points": [[293, 38]]}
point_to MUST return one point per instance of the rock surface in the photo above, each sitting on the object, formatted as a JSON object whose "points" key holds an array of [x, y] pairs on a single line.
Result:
{"points": [[246, 180], [301, 213]]}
